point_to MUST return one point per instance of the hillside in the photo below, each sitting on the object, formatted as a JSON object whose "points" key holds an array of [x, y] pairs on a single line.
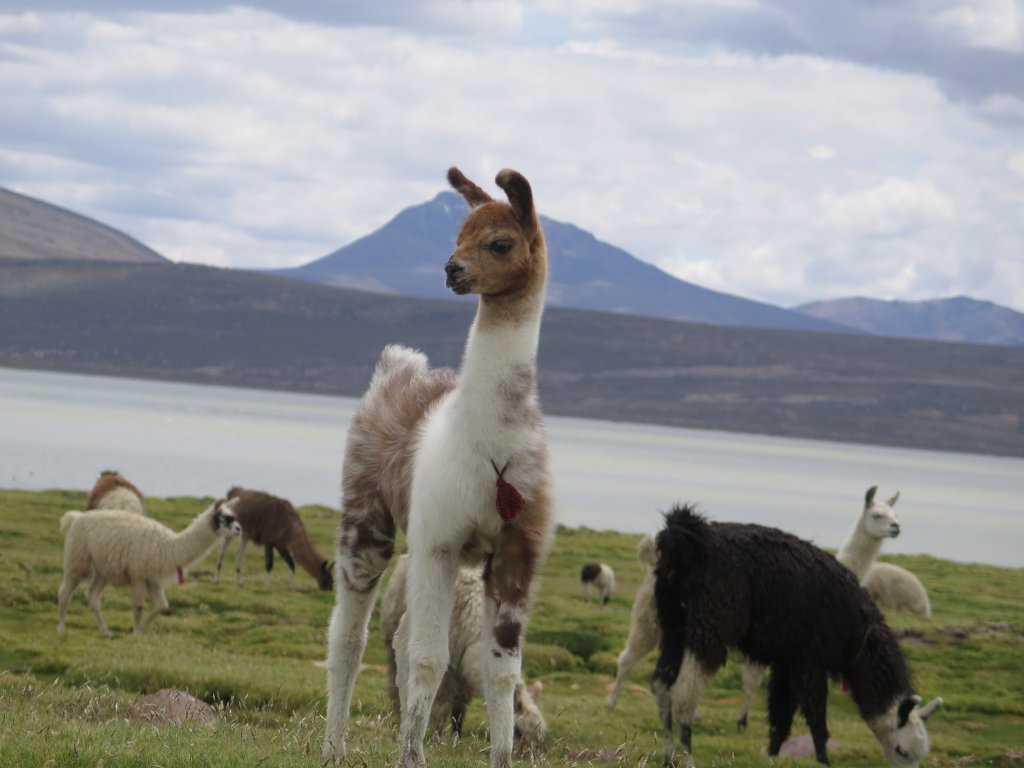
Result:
{"points": [[201, 324], [954, 319], [405, 256], [35, 230]]}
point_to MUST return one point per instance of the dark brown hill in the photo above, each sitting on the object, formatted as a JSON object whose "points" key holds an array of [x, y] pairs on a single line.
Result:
{"points": [[201, 324], [33, 229]]}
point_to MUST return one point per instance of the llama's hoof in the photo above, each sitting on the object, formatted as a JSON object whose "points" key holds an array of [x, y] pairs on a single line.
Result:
{"points": [[332, 753], [741, 723]]}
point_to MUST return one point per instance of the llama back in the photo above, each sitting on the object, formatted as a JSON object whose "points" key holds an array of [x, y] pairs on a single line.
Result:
{"points": [[265, 519], [384, 430], [113, 491], [111, 540]]}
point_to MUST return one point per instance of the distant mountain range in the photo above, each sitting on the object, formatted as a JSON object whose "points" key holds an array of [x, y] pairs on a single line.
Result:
{"points": [[34, 230], [406, 257], [954, 319]]}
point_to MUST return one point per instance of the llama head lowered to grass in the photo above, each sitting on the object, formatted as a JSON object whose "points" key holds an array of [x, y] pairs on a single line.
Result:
{"points": [[460, 463]]}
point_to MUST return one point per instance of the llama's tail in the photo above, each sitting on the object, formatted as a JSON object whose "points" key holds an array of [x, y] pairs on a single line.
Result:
{"points": [[67, 519], [682, 543]]}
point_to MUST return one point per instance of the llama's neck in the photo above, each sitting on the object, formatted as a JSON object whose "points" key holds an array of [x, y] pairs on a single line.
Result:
{"points": [[859, 551], [195, 541], [878, 673], [303, 551], [501, 347]]}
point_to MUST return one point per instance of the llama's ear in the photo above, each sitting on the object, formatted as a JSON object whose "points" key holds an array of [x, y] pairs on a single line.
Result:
{"points": [[892, 502], [520, 197], [905, 708], [469, 191], [929, 709], [869, 497]]}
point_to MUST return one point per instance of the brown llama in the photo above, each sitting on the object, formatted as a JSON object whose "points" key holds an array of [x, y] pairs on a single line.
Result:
{"points": [[273, 523], [113, 491], [460, 463]]}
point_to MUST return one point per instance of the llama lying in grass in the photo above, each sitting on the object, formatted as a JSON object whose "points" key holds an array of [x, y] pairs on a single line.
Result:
{"points": [[273, 523], [897, 588], [465, 673], [890, 586], [461, 464], [113, 491], [123, 549], [601, 577], [783, 603]]}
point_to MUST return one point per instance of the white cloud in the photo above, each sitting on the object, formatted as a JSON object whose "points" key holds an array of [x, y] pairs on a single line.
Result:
{"points": [[995, 24], [245, 138], [1016, 164]]}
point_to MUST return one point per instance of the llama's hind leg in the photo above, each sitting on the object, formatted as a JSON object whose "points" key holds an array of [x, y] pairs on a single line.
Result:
{"points": [[363, 554], [781, 708], [640, 642], [812, 695], [686, 694], [422, 646], [67, 588], [95, 590], [268, 564], [753, 674], [290, 562]]}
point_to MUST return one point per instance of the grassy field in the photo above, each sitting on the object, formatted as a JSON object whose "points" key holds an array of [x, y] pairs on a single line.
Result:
{"points": [[256, 654]]}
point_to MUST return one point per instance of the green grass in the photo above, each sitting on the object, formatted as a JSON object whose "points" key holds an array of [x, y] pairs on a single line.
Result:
{"points": [[254, 653]]}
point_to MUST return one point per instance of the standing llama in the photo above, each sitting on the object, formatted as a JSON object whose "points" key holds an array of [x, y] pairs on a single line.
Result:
{"points": [[113, 491], [465, 673], [645, 634], [124, 549], [460, 463], [783, 603], [274, 524], [601, 577]]}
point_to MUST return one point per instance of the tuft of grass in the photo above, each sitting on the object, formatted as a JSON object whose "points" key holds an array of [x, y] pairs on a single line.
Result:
{"points": [[256, 654]]}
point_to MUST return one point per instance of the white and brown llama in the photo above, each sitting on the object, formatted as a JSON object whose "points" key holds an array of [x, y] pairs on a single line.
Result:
{"points": [[113, 491], [460, 463]]}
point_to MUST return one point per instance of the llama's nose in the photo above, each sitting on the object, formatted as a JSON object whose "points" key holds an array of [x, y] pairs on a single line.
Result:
{"points": [[453, 271], [894, 530]]}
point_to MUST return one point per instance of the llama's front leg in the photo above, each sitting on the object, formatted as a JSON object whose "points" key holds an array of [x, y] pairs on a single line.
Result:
{"points": [[290, 562], [507, 580], [363, 554], [159, 599], [220, 559], [423, 645], [239, 559], [95, 590], [268, 564]]}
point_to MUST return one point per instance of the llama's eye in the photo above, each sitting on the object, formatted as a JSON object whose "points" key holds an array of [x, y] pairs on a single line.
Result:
{"points": [[501, 247]]}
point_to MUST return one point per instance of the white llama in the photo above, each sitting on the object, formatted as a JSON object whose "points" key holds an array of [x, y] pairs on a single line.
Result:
{"points": [[122, 549], [897, 588], [460, 464], [876, 523], [601, 577]]}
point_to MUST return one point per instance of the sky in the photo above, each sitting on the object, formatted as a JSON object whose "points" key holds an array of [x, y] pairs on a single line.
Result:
{"points": [[781, 150]]}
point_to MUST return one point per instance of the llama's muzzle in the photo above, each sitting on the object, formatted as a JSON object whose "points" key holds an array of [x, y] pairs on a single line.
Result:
{"points": [[456, 277]]}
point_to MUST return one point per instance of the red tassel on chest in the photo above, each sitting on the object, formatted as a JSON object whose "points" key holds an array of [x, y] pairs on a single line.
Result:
{"points": [[508, 501]]}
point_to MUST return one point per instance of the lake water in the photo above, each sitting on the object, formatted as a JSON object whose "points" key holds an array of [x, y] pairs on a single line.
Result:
{"points": [[171, 439]]}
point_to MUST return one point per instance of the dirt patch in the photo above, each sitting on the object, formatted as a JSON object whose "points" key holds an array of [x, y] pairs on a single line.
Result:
{"points": [[171, 707], [803, 746]]}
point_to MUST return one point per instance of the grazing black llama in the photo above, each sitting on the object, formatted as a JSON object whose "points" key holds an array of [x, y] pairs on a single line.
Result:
{"points": [[783, 603]]}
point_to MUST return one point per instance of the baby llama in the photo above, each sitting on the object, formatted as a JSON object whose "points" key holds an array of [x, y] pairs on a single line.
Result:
{"points": [[897, 588], [465, 673], [601, 577], [729, 585], [274, 524], [113, 491], [460, 463], [124, 549]]}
